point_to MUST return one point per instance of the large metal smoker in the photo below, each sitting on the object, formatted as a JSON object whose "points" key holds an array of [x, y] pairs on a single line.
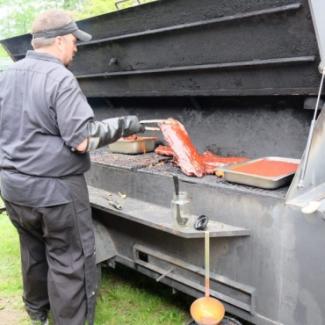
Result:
{"points": [[242, 76]]}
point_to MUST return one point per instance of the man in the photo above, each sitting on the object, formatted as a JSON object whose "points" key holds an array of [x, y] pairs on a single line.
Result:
{"points": [[46, 131]]}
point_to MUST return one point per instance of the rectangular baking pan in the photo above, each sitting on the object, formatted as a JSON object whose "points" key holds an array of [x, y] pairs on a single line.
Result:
{"points": [[265, 182], [132, 147]]}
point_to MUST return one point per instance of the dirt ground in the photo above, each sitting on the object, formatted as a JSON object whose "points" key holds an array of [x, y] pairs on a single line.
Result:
{"points": [[11, 311]]}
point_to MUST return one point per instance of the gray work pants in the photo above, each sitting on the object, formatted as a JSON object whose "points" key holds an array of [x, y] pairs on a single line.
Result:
{"points": [[58, 258]]}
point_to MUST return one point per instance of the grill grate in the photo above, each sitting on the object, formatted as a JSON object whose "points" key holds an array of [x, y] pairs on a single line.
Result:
{"points": [[159, 165], [168, 168], [133, 162]]}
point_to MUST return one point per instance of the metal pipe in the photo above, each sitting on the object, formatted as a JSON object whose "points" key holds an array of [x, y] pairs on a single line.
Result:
{"points": [[310, 135], [152, 121], [164, 274], [207, 263], [151, 128]]}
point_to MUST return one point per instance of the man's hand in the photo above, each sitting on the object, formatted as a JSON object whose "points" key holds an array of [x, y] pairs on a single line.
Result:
{"points": [[82, 147], [134, 125]]}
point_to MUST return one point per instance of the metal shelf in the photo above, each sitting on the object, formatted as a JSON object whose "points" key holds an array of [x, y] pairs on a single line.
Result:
{"points": [[155, 216]]}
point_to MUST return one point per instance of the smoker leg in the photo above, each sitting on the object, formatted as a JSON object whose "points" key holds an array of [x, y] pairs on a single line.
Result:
{"points": [[105, 247], [109, 263], [99, 275]]}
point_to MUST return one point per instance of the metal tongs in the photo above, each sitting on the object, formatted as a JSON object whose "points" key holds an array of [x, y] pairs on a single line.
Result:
{"points": [[152, 128]]}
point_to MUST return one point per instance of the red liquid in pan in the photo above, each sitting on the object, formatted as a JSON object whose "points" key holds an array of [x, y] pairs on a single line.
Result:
{"points": [[212, 162], [268, 168], [186, 155]]}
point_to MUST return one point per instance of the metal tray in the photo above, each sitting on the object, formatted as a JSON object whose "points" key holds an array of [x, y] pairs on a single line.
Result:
{"points": [[132, 147], [257, 180]]}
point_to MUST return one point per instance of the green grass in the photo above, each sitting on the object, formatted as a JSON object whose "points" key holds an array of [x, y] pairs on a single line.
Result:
{"points": [[130, 298], [10, 279], [126, 297], [11, 306]]}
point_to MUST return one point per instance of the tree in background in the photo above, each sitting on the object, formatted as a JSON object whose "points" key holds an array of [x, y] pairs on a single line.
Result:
{"points": [[98, 7], [2, 52], [17, 16]]}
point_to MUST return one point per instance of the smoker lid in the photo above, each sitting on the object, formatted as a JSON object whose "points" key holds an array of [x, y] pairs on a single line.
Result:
{"points": [[190, 48]]}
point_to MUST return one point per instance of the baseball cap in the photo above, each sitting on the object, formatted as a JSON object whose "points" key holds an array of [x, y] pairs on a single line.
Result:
{"points": [[70, 28]]}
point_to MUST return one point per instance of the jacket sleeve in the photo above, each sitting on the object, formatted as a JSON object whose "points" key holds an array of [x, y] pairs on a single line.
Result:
{"points": [[73, 113], [101, 133]]}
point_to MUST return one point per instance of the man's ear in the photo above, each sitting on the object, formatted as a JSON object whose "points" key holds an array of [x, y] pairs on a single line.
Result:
{"points": [[59, 42]]}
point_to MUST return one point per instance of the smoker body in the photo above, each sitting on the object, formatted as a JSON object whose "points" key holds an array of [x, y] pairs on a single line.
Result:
{"points": [[267, 268], [238, 75]]}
